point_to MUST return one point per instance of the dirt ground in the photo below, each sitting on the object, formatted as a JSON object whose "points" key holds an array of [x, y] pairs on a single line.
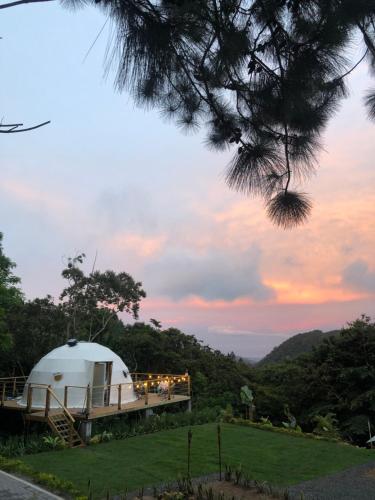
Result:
{"points": [[231, 490]]}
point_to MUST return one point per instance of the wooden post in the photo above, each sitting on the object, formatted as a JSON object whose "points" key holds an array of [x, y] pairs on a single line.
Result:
{"points": [[219, 448], [3, 394], [48, 401], [169, 389], [29, 398], [88, 400], [66, 396], [14, 387], [146, 392], [190, 435], [189, 385], [119, 397]]}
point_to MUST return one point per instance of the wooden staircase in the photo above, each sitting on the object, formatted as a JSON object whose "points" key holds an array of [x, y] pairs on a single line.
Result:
{"points": [[63, 427], [60, 420]]}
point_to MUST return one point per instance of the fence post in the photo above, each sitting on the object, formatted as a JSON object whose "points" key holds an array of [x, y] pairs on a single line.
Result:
{"points": [[48, 401], [14, 387], [119, 397], [66, 396]]}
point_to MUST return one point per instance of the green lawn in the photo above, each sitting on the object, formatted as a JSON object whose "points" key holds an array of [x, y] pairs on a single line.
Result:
{"points": [[155, 458]]}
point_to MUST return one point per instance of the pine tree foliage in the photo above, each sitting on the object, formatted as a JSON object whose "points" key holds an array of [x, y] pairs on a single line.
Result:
{"points": [[263, 76]]}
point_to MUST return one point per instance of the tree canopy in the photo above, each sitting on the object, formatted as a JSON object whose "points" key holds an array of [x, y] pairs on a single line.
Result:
{"points": [[92, 301], [263, 77], [10, 294]]}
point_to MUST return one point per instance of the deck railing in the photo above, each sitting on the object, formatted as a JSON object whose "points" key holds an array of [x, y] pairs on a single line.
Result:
{"points": [[11, 388], [144, 385]]}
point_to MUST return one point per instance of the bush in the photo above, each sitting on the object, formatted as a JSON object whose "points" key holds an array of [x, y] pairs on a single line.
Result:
{"points": [[122, 427], [42, 478]]}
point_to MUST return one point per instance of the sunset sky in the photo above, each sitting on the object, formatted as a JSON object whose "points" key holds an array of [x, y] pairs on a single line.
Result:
{"points": [[107, 177]]}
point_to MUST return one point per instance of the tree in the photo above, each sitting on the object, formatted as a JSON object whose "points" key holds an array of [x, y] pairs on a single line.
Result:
{"points": [[91, 302], [264, 76], [337, 378], [36, 327], [10, 295]]}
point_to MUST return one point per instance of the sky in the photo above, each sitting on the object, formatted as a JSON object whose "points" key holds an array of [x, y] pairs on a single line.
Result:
{"points": [[111, 179]]}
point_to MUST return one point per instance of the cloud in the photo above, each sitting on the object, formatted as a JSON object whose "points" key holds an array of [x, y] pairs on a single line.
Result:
{"points": [[358, 276], [214, 275], [141, 245]]}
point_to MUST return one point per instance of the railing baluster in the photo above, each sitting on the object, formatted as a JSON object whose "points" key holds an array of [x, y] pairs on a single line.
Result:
{"points": [[66, 396], [48, 401], [146, 392], [119, 397], [88, 400], [29, 398]]}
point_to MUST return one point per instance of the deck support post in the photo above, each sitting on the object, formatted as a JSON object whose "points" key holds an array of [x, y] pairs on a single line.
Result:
{"points": [[85, 430], [148, 413], [188, 409]]}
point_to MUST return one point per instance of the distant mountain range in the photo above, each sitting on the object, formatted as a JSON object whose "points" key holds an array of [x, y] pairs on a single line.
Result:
{"points": [[296, 345]]}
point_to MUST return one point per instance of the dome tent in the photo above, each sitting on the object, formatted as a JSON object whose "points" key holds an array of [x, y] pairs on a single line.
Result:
{"points": [[80, 364]]}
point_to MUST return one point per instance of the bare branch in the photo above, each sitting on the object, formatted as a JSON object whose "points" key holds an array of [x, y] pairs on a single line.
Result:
{"points": [[20, 2], [12, 129]]}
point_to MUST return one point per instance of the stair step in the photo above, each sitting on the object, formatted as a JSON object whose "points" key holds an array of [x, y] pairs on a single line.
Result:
{"points": [[63, 427]]}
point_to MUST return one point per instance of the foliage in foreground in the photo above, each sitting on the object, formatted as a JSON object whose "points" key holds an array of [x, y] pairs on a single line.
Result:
{"points": [[50, 481], [263, 76]]}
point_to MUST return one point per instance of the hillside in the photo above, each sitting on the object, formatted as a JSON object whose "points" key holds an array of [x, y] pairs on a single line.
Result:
{"points": [[296, 345]]}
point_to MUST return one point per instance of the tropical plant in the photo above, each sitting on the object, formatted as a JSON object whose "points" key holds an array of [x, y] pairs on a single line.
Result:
{"points": [[247, 399], [53, 442], [326, 425], [292, 422]]}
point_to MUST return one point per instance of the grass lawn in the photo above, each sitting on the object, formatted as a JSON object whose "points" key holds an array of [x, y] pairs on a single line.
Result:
{"points": [[155, 458]]}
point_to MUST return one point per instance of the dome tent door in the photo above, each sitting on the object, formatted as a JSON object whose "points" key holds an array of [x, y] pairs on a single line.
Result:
{"points": [[101, 383]]}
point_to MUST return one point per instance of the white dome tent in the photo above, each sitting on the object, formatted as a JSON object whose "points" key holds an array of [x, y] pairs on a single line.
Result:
{"points": [[78, 365]]}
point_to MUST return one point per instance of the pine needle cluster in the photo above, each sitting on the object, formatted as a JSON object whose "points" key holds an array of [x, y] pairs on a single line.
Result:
{"points": [[263, 77]]}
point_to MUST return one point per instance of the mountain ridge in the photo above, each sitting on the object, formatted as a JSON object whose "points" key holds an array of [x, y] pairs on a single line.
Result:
{"points": [[298, 344]]}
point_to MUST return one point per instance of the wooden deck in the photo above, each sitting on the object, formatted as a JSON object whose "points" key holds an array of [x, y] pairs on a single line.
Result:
{"points": [[154, 401]]}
